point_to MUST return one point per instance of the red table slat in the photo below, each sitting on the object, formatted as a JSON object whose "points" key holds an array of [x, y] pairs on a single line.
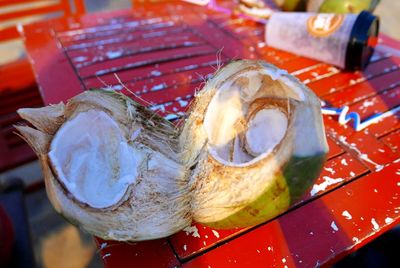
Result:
{"points": [[385, 126], [336, 172], [301, 64], [377, 104], [334, 148], [365, 147], [53, 70], [153, 253], [98, 54], [172, 80], [136, 61], [392, 140], [167, 95], [365, 89], [152, 72], [346, 79], [127, 31]]}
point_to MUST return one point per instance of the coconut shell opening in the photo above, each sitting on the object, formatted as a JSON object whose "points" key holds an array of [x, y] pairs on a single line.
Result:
{"points": [[93, 159], [243, 120]]}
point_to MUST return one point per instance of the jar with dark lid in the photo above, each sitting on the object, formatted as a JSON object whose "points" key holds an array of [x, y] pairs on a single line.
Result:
{"points": [[343, 40]]}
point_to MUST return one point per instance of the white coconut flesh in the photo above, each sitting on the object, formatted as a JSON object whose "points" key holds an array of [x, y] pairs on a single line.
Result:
{"points": [[233, 136], [93, 159], [265, 131]]}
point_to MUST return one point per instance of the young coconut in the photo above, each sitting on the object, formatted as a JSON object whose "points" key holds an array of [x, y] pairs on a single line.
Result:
{"points": [[252, 144], [111, 166], [257, 138]]}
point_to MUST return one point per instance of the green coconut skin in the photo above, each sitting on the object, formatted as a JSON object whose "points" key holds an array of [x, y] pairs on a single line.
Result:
{"points": [[301, 172], [294, 5], [331, 6], [289, 186], [347, 6], [274, 200]]}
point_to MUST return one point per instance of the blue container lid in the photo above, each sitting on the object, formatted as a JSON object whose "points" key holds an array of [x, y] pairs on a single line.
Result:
{"points": [[363, 38]]}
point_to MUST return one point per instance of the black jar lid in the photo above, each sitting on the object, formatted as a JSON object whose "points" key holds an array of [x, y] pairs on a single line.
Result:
{"points": [[363, 38]]}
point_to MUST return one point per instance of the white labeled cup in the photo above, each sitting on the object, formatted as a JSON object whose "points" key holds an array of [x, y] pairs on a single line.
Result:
{"points": [[343, 40]]}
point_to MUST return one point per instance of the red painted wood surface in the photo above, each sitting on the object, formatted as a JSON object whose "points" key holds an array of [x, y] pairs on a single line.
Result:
{"points": [[162, 53], [18, 11], [153, 253], [392, 140], [13, 149], [17, 81]]}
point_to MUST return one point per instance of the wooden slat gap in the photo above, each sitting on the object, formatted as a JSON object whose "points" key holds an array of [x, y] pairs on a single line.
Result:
{"points": [[110, 33], [105, 27], [380, 93], [366, 79], [388, 133], [126, 39], [146, 63], [144, 50], [177, 70]]}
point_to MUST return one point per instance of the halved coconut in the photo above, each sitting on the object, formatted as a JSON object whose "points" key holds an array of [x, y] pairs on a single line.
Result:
{"points": [[257, 137], [111, 170], [252, 144]]}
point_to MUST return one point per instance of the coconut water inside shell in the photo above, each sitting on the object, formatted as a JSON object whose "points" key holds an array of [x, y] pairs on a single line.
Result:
{"points": [[120, 172]]}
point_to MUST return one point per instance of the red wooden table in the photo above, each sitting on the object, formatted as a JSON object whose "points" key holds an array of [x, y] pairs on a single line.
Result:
{"points": [[163, 53]]}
